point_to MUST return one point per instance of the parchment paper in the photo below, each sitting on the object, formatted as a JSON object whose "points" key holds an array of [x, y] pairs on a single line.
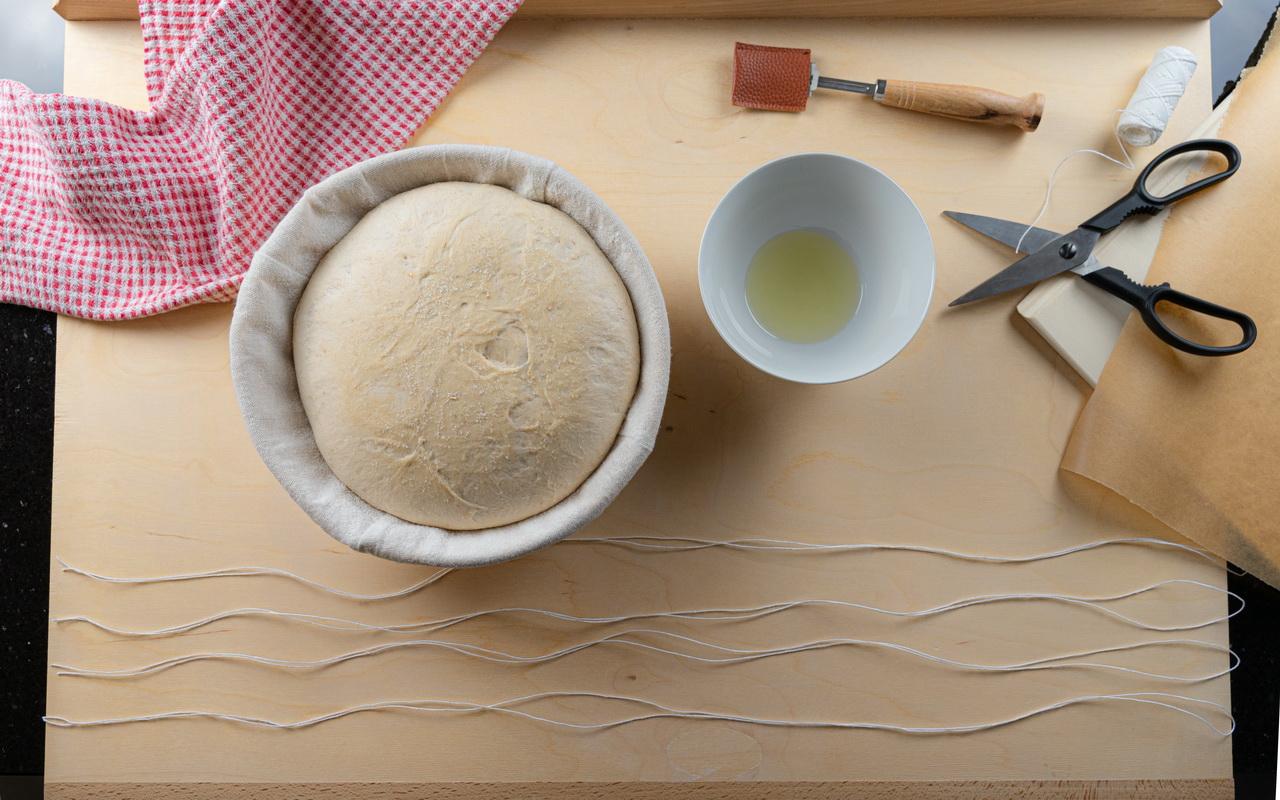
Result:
{"points": [[1196, 441]]}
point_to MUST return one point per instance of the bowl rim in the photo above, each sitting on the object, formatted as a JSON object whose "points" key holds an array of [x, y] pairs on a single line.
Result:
{"points": [[703, 291], [265, 383]]}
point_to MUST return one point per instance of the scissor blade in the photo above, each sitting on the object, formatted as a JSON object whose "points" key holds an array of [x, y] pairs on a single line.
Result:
{"points": [[1052, 258], [1004, 231]]}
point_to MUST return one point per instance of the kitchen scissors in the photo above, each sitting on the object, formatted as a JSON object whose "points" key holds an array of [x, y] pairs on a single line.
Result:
{"points": [[1050, 254]]}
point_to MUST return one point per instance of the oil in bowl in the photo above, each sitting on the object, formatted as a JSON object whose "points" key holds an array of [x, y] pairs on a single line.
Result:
{"points": [[803, 286]]}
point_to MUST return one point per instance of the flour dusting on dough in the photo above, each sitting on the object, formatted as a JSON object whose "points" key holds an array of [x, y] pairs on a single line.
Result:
{"points": [[465, 356]]}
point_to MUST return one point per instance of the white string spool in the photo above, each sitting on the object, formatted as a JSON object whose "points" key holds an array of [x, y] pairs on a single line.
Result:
{"points": [[1145, 117]]}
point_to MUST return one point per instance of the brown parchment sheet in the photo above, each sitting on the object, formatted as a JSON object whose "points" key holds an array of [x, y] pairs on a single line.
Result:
{"points": [[1196, 441]]}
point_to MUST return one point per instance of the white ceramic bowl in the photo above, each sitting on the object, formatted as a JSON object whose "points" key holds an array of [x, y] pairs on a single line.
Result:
{"points": [[857, 205]]}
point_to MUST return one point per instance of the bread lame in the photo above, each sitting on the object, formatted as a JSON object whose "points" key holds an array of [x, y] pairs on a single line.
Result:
{"points": [[782, 78]]}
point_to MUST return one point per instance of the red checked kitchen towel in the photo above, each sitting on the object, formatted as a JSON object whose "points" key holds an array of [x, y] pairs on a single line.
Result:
{"points": [[108, 213]]}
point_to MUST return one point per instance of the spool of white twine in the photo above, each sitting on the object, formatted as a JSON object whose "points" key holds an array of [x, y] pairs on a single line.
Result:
{"points": [[1147, 113]]}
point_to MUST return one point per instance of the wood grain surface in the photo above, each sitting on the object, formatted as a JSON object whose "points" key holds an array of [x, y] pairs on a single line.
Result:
{"points": [[1194, 9], [656, 790], [955, 443]]}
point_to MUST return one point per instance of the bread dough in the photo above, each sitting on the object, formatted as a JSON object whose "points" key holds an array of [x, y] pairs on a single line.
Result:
{"points": [[465, 356]]}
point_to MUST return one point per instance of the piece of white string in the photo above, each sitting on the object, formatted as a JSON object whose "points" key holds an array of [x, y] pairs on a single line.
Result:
{"points": [[660, 711], [662, 543], [1053, 177], [682, 543], [722, 614], [735, 655], [240, 572], [1142, 121]]}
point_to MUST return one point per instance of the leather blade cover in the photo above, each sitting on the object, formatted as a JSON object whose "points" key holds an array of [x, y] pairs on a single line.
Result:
{"points": [[770, 78]]}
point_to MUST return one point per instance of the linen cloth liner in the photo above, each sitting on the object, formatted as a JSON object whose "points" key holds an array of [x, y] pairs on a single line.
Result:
{"points": [[109, 213], [266, 385], [1196, 441]]}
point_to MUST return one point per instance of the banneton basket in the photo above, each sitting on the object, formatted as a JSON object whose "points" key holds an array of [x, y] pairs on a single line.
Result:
{"points": [[267, 389]]}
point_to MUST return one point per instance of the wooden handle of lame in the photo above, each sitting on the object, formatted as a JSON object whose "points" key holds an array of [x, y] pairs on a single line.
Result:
{"points": [[972, 103]]}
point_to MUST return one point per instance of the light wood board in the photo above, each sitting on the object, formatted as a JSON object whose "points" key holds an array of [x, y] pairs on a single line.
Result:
{"points": [[657, 790], [1192, 9], [955, 443]]}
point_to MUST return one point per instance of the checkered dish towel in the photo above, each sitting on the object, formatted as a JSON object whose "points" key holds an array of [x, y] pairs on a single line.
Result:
{"points": [[110, 214]]}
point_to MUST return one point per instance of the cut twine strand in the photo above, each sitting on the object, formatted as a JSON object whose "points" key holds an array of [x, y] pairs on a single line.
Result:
{"points": [[683, 543], [1053, 177], [735, 655], [660, 711], [1143, 120], [240, 572], [721, 614], [665, 544]]}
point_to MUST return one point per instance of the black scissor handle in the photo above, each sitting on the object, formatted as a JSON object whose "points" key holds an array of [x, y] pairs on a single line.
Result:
{"points": [[1141, 201], [1146, 299]]}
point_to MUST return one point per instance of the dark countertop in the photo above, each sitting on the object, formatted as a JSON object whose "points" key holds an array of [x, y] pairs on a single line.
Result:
{"points": [[30, 50], [26, 473]]}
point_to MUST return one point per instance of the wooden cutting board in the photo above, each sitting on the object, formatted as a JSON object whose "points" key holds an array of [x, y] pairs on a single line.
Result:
{"points": [[955, 443]]}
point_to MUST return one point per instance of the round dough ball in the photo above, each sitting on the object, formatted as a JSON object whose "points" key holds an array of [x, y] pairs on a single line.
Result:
{"points": [[465, 356]]}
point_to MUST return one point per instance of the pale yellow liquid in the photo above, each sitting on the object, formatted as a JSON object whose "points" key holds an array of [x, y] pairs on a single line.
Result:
{"points": [[802, 286]]}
